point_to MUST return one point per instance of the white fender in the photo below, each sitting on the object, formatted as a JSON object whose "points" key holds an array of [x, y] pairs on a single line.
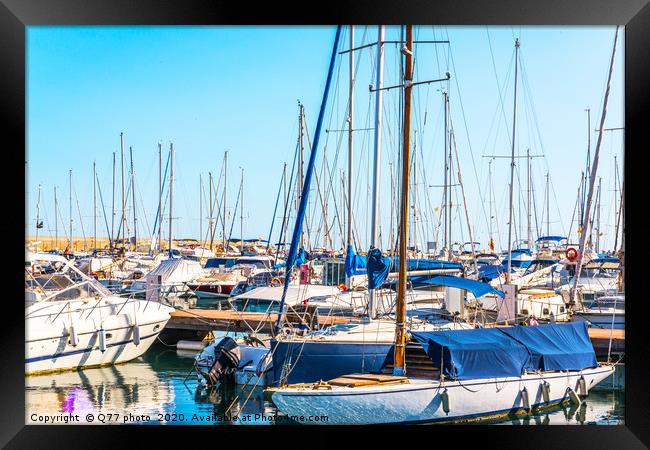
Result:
{"points": [[102, 339]]}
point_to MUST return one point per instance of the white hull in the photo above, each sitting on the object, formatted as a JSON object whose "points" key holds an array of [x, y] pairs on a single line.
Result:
{"points": [[48, 340], [602, 320], [423, 400]]}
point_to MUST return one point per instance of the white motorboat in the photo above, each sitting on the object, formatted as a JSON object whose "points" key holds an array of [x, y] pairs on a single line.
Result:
{"points": [[71, 324], [171, 275], [604, 312]]}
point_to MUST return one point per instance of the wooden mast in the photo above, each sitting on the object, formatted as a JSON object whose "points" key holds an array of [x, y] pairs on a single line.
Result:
{"points": [[399, 367]]}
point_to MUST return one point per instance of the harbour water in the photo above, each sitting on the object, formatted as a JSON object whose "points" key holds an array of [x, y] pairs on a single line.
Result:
{"points": [[151, 390]]}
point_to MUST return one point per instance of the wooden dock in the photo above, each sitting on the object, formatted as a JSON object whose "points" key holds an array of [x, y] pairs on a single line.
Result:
{"points": [[230, 320], [600, 339], [187, 322]]}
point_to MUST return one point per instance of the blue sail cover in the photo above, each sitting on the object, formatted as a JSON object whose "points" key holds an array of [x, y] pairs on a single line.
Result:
{"points": [[379, 266], [556, 346], [477, 288], [470, 354], [508, 351], [355, 264], [490, 272]]}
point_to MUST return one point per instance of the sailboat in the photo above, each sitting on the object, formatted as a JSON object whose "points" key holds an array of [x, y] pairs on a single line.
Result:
{"points": [[474, 373]]}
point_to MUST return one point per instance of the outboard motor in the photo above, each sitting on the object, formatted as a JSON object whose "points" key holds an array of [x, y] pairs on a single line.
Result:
{"points": [[226, 361]]}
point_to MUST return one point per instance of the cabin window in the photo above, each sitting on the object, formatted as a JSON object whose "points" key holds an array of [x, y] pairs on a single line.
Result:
{"points": [[545, 311], [524, 311], [561, 309]]}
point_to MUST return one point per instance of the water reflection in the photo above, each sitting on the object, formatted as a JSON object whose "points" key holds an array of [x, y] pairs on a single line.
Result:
{"points": [[601, 407], [131, 387], [158, 385]]}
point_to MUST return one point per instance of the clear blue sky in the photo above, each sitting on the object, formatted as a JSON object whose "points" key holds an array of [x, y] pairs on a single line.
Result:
{"points": [[211, 89]]}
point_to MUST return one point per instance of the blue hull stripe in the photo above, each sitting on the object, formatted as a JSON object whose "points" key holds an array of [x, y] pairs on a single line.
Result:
{"points": [[85, 350]]}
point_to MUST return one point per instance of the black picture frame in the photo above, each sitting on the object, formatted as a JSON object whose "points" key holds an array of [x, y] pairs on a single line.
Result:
{"points": [[15, 15]]}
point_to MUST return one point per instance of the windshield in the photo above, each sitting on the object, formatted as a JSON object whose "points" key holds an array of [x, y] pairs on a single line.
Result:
{"points": [[78, 292]]}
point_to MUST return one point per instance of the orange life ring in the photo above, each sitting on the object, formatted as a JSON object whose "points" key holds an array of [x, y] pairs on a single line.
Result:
{"points": [[343, 287], [571, 254]]}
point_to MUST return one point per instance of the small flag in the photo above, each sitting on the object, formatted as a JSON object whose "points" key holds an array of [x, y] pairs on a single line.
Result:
{"points": [[491, 245], [39, 224]]}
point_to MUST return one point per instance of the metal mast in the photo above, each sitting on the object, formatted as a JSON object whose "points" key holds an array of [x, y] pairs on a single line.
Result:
{"points": [[301, 164], [600, 182], [160, 195], [548, 208], [135, 217], [112, 240], [95, 205], [171, 194], [56, 222], [490, 200], [123, 220], [592, 177], [616, 210], [241, 213], [225, 185], [399, 367], [38, 208], [512, 163], [348, 240], [70, 189], [446, 244], [374, 226], [529, 235], [211, 207]]}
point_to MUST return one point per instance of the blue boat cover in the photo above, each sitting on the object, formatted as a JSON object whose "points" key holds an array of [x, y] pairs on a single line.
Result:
{"points": [[355, 264], [556, 346], [477, 288], [470, 354], [507, 352], [551, 238], [216, 262], [605, 259]]}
